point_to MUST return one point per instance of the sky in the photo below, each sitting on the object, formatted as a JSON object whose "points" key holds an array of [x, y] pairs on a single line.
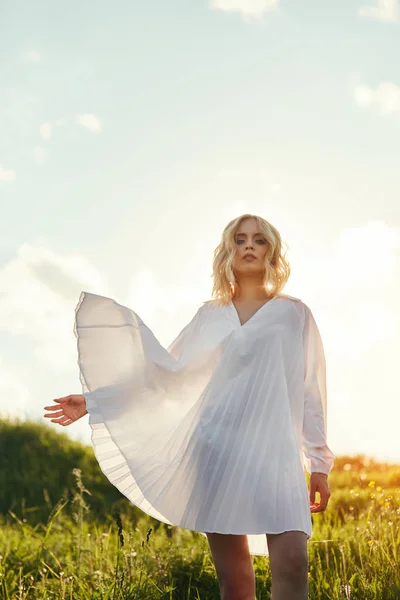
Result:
{"points": [[130, 137]]}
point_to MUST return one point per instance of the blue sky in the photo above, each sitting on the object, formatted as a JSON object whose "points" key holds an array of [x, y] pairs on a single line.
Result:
{"points": [[131, 134]]}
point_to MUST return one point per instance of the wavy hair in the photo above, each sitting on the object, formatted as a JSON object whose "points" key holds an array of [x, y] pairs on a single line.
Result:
{"points": [[277, 267]]}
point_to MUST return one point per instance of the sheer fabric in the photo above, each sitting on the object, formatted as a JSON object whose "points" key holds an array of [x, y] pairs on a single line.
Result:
{"points": [[212, 433]]}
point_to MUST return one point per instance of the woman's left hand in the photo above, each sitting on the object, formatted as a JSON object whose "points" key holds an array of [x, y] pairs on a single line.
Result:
{"points": [[319, 483]]}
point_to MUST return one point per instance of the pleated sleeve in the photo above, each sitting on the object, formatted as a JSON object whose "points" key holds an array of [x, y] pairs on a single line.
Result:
{"points": [[187, 336], [317, 455]]}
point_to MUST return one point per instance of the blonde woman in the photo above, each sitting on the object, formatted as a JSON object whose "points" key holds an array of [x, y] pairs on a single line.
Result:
{"points": [[213, 433]]}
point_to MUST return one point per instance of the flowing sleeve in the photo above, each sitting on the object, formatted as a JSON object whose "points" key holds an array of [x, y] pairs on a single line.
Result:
{"points": [[317, 455], [187, 335], [135, 388]]}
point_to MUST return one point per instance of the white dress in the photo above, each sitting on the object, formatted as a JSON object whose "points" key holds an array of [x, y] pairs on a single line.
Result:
{"points": [[213, 433]]}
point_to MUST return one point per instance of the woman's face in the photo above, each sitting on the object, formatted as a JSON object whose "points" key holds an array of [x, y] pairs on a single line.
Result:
{"points": [[249, 241]]}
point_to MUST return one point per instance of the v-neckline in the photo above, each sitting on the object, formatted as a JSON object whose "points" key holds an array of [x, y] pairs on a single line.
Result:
{"points": [[252, 316]]}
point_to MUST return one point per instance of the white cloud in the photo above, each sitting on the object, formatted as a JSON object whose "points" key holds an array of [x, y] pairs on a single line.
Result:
{"points": [[89, 121], [46, 130], [385, 10], [361, 244], [361, 278], [7, 174], [15, 396], [386, 97], [39, 291], [33, 55], [363, 95], [247, 8]]}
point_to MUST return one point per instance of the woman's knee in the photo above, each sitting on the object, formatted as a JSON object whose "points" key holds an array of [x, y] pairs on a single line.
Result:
{"points": [[288, 554]]}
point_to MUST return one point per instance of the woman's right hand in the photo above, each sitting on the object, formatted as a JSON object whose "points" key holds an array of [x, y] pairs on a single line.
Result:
{"points": [[67, 410]]}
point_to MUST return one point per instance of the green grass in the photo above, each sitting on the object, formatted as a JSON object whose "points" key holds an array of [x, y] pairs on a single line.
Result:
{"points": [[114, 551]]}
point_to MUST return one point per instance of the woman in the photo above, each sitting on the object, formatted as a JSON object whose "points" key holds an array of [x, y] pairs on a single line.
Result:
{"points": [[213, 433]]}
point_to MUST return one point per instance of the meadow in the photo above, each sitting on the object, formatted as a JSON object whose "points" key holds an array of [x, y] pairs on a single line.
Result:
{"points": [[67, 533]]}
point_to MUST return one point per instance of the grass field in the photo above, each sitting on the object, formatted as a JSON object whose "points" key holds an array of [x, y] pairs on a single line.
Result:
{"points": [[81, 552]]}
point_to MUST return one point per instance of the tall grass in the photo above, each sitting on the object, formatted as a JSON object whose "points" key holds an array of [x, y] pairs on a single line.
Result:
{"points": [[73, 554]]}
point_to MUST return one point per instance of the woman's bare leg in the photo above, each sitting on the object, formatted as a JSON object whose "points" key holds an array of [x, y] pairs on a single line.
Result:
{"points": [[289, 565], [234, 566]]}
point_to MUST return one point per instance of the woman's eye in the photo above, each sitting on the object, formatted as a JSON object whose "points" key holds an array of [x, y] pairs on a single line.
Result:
{"points": [[260, 241]]}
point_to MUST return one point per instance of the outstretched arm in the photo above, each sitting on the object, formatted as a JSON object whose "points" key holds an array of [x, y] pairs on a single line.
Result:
{"points": [[67, 410]]}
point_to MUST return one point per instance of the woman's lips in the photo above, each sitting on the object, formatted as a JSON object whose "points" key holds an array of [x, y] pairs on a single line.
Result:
{"points": [[249, 258]]}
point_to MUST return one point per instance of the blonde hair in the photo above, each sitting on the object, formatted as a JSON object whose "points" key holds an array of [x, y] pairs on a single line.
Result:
{"points": [[277, 267]]}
